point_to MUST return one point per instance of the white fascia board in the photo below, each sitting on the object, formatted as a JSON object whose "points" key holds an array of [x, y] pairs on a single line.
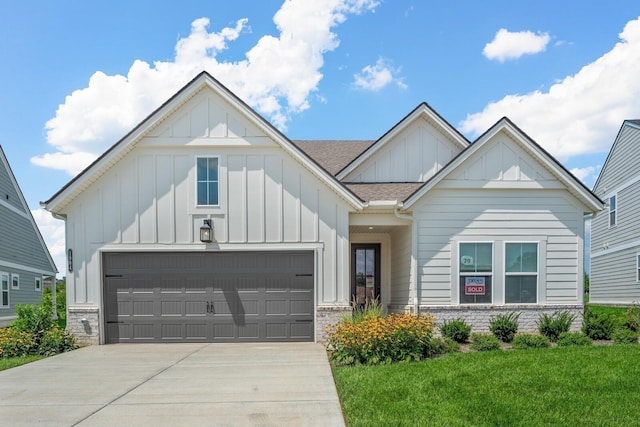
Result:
{"points": [[421, 110]]}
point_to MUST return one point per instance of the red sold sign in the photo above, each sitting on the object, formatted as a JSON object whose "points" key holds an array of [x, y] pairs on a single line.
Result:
{"points": [[474, 286]]}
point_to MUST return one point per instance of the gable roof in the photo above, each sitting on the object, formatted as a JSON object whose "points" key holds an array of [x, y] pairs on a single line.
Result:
{"points": [[626, 123], [333, 155], [117, 151], [573, 185], [424, 111], [383, 191], [26, 212]]}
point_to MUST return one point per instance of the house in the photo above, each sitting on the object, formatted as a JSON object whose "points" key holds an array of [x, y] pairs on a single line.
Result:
{"points": [[25, 261], [615, 232], [205, 223]]}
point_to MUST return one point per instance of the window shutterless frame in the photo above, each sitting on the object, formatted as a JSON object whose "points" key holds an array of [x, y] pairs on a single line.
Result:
{"points": [[475, 272], [521, 271], [4, 289], [638, 267], [37, 286], [15, 281], [613, 211], [207, 181]]}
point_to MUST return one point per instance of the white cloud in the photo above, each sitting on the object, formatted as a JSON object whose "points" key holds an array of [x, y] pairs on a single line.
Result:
{"points": [[581, 113], [277, 77], [507, 45], [376, 77], [52, 231], [587, 174]]}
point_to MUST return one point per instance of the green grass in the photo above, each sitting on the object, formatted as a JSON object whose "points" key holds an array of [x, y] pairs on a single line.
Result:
{"points": [[557, 386], [614, 311], [12, 362]]}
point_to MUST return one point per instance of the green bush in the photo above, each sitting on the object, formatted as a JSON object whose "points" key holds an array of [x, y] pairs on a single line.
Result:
{"points": [[444, 346], [631, 319], [504, 326], [551, 326], [61, 299], [624, 336], [34, 318], [525, 341], [382, 339], [598, 326], [15, 343], [56, 340], [573, 338], [484, 342], [456, 329]]}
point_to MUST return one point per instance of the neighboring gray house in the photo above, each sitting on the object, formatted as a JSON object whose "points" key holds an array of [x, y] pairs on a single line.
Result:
{"points": [[205, 223], [615, 232], [24, 258]]}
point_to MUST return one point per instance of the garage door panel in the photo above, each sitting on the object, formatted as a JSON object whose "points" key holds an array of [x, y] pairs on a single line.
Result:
{"points": [[208, 297]]}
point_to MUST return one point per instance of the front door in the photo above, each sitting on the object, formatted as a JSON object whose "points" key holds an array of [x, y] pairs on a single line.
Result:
{"points": [[365, 273]]}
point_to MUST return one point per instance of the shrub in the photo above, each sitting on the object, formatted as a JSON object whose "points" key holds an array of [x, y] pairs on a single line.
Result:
{"points": [[377, 339], [631, 319], [598, 326], [551, 326], [56, 340], [34, 318], [524, 341], [484, 342], [15, 343], [504, 326], [456, 329], [573, 338], [371, 308], [624, 336], [444, 346]]}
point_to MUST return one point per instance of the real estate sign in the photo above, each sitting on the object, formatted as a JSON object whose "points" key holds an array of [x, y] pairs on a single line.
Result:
{"points": [[474, 286]]}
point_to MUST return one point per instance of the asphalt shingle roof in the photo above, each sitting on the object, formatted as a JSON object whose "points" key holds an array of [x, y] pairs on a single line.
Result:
{"points": [[333, 155], [383, 191]]}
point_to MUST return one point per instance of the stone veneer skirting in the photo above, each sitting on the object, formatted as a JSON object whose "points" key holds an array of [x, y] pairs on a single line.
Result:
{"points": [[84, 324], [478, 316], [326, 316]]}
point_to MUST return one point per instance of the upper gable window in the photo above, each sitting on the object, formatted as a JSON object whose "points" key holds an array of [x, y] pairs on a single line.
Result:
{"points": [[207, 181], [613, 211]]}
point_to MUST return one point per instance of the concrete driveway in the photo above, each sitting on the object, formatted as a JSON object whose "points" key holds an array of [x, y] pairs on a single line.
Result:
{"points": [[174, 385]]}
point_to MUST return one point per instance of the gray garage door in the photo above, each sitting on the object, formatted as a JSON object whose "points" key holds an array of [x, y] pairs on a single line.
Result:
{"points": [[208, 297]]}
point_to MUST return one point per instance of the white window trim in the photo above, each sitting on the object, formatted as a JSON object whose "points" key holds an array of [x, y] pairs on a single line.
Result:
{"points": [[8, 276], [196, 182], [638, 267], [37, 284], [482, 273], [614, 211], [17, 281], [514, 273]]}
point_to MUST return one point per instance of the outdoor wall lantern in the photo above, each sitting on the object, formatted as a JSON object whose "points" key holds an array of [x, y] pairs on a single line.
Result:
{"points": [[206, 232]]}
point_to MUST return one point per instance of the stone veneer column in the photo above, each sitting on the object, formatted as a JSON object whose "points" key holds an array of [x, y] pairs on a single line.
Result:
{"points": [[326, 316], [84, 324]]}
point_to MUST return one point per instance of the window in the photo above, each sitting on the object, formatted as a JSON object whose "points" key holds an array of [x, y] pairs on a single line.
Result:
{"points": [[4, 290], [38, 284], [638, 267], [613, 211], [15, 281], [207, 181], [521, 273], [476, 273]]}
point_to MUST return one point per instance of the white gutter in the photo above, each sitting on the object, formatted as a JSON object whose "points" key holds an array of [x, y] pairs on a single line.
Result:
{"points": [[413, 280]]}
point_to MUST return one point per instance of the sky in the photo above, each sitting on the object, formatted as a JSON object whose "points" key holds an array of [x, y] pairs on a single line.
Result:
{"points": [[76, 76]]}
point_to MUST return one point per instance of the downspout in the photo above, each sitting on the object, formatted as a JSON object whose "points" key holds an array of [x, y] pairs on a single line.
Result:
{"points": [[413, 278]]}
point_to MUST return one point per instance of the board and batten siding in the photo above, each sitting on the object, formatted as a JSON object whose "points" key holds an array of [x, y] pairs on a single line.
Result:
{"points": [[613, 274], [446, 217], [415, 155]]}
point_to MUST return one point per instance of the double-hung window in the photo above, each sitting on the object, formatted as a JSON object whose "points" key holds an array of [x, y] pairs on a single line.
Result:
{"points": [[521, 273], [613, 211], [4, 289], [476, 273], [207, 181]]}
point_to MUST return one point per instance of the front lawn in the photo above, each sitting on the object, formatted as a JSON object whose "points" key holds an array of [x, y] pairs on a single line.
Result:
{"points": [[558, 386], [12, 362]]}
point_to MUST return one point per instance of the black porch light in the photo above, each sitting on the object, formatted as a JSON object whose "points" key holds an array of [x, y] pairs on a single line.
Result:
{"points": [[206, 232]]}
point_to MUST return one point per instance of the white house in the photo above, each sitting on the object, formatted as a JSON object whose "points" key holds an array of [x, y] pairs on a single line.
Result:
{"points": [[421, 218], [615, 232]]}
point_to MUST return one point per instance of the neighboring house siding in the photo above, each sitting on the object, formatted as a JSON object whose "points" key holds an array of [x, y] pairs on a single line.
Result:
{"points": [[415, 155], [8, 193], [265, 197], [613, 276], [545, 216], [25, 248], [401, 266]]}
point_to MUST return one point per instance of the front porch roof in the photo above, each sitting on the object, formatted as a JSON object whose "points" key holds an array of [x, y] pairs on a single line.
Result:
{"points": [[388, 191]]}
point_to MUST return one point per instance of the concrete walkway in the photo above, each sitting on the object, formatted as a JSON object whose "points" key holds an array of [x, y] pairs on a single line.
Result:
{"points": [[174, 385]]}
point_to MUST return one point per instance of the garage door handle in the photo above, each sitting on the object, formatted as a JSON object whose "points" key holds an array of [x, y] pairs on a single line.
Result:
{"points": [[113, 275], [305, 275]]}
